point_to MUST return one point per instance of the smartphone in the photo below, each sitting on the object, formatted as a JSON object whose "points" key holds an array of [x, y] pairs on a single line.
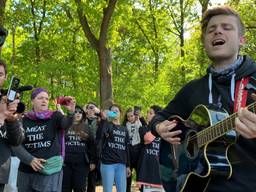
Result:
{"points": [[111, 114], [137, 110], [62, 100], [12, 90]]}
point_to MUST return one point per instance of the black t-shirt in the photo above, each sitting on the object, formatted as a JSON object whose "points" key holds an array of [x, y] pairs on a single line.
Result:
{"points": [[10, 135], [148, 168], [75, 148], [115, 147], [42, 137], [78, 149]]}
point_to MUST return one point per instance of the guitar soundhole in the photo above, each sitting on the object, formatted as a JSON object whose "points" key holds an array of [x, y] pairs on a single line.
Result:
{"points": [[192, 146]]}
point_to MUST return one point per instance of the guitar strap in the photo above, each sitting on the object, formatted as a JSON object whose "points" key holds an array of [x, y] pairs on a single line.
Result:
{"points": [[240, 94]]}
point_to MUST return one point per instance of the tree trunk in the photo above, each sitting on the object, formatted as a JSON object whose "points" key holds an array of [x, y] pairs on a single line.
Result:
{"points": [[106, 93], [182, 41], [201, 59], [104, 53], [13, 47], [37, 27], [2, 11], [204, 5]]}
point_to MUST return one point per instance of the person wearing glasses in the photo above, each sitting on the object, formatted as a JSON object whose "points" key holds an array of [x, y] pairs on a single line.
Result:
{"points": [[80, 153], [92, 123]]}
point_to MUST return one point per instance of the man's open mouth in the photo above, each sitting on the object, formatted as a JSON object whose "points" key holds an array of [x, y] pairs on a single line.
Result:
{"points": [[218, 42]]}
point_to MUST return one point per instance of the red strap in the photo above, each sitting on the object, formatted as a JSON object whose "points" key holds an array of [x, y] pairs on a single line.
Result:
{"points": [[240, 94]]}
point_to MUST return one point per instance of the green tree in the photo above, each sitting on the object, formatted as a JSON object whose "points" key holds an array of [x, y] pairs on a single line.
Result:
{"points": [[103, 52], [2, 14]]}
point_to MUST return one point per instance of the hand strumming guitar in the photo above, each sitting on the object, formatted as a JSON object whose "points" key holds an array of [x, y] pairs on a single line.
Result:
{"points": [[246, 122], [164, 130]]}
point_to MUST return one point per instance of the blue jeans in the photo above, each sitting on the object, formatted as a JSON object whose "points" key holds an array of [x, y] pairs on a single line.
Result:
{"points": [[113, 172]]}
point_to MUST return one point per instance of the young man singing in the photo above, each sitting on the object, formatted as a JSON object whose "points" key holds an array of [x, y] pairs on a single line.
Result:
{"points": [[222, 37]]}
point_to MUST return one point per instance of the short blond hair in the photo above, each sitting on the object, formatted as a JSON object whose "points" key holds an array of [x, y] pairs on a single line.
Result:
{"points": [[220, 10]]}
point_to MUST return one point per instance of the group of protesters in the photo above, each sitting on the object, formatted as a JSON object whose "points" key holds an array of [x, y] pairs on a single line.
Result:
{"points": [[61, 150], [75, 148], [101, 148], [97, 147]]}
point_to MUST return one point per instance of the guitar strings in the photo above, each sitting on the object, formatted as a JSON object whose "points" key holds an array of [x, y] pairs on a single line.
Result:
{"points": [[204, 134], [216, 127]]}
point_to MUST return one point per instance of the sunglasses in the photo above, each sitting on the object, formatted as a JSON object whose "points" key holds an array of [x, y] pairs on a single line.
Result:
{"points": [[91, 107], [79, 111]]}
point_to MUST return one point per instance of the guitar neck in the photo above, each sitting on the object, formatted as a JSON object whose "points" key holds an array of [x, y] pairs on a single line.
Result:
{"points": [[219, 129]]}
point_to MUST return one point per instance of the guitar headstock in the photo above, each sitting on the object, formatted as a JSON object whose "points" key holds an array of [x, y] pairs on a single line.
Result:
{"points": [[251, 85], [253, 95]]}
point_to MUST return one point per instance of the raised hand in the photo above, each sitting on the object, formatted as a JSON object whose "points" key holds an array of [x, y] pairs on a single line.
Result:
{"points": [[71, 104], [8, 110]]}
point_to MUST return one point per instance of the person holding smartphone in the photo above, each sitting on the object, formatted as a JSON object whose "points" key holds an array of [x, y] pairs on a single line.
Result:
{"points": [[148, 164], [10, 129], [42, 128], [114, 156], [92, 123]]}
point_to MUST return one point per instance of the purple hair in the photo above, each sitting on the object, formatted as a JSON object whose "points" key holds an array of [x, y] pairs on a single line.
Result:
{"points": [[36, 91]]}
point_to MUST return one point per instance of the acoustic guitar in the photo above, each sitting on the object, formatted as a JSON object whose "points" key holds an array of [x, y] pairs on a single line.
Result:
{"points": [[207, 135]]}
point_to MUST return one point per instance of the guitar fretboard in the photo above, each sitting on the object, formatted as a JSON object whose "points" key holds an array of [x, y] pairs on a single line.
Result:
{"points": [[213, 132]]}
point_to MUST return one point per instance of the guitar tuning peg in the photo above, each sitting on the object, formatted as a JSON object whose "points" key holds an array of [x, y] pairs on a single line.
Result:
{"points": [[250, 86], [253, 96]]}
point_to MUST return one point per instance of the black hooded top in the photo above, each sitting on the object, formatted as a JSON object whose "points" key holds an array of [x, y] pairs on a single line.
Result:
{"points": [[197, 92], [10, 135]]}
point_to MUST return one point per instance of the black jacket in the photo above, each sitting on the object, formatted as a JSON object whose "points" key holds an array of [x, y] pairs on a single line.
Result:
{"points": [[197, 92], [10, 135]]}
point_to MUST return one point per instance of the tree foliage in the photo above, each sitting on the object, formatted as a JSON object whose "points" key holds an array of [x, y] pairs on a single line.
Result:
{"points": [[154, 46]]}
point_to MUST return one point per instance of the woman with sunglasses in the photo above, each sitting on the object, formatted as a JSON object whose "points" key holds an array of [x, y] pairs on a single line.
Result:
{"points": [[92, 123], [80, 153], [42, 128]]}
